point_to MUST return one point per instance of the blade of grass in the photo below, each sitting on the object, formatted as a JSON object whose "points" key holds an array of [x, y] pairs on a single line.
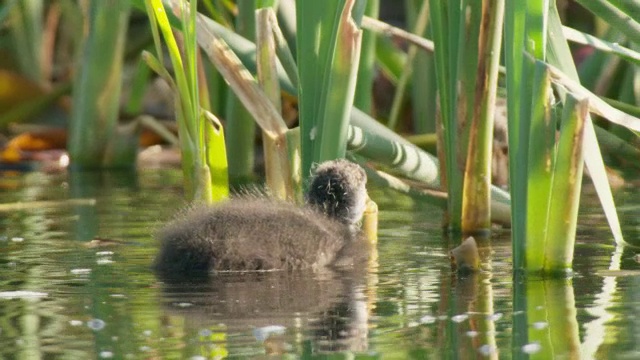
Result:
{"points": [[514, 32]]}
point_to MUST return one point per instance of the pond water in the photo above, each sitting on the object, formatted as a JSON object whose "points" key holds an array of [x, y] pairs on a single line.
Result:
{"points": [[62, 296]]}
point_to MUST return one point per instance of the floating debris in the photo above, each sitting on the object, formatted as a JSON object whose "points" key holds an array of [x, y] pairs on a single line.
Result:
{"points": [[466, 258]]}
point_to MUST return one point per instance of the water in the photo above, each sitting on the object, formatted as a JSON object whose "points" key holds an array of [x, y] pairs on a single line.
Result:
{"points": [[62, 296]]}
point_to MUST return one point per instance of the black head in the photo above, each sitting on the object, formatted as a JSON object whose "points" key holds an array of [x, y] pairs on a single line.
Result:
{"points": [[338, 189]]}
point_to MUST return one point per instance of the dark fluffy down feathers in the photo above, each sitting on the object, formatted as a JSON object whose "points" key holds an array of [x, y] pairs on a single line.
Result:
{"points": [[254, 234]]}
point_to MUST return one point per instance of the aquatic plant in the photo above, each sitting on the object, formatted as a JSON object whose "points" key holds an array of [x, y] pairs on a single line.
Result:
{"points": [[204, 160]]}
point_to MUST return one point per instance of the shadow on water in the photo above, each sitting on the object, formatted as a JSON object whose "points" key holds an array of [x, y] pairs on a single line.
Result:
{"points": [[60, 297]]}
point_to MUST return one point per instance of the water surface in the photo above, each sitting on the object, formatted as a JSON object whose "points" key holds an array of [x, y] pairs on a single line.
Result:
{"points": [[61, 298]]}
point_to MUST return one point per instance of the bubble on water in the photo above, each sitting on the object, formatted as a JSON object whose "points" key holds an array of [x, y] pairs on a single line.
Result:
{"points": [[17, 239], [75, 322], [539, 325], [81, 271], [472, 333], [531, 348], [263, 333], [459, 318], [96, 324], [427, 319], [106, 354], [487, 350]]}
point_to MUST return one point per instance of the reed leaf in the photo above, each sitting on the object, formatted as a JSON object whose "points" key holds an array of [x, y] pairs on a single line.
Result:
{"points": [[96, 90], [615, 17], [328, 48], [366, 70], [241, 127]]}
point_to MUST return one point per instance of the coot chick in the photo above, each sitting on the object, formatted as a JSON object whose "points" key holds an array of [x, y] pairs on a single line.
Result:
{"points": [[261, 233]]}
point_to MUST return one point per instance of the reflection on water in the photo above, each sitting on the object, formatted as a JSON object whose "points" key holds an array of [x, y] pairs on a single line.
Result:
{"points": [[60, 297]]}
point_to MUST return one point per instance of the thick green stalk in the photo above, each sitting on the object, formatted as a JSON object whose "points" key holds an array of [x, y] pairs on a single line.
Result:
{"points": [[524, 29], [560, 55], [276, 155], [96, 91], [445, 73], [541, 163], [566, 185], [476, 210]]}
